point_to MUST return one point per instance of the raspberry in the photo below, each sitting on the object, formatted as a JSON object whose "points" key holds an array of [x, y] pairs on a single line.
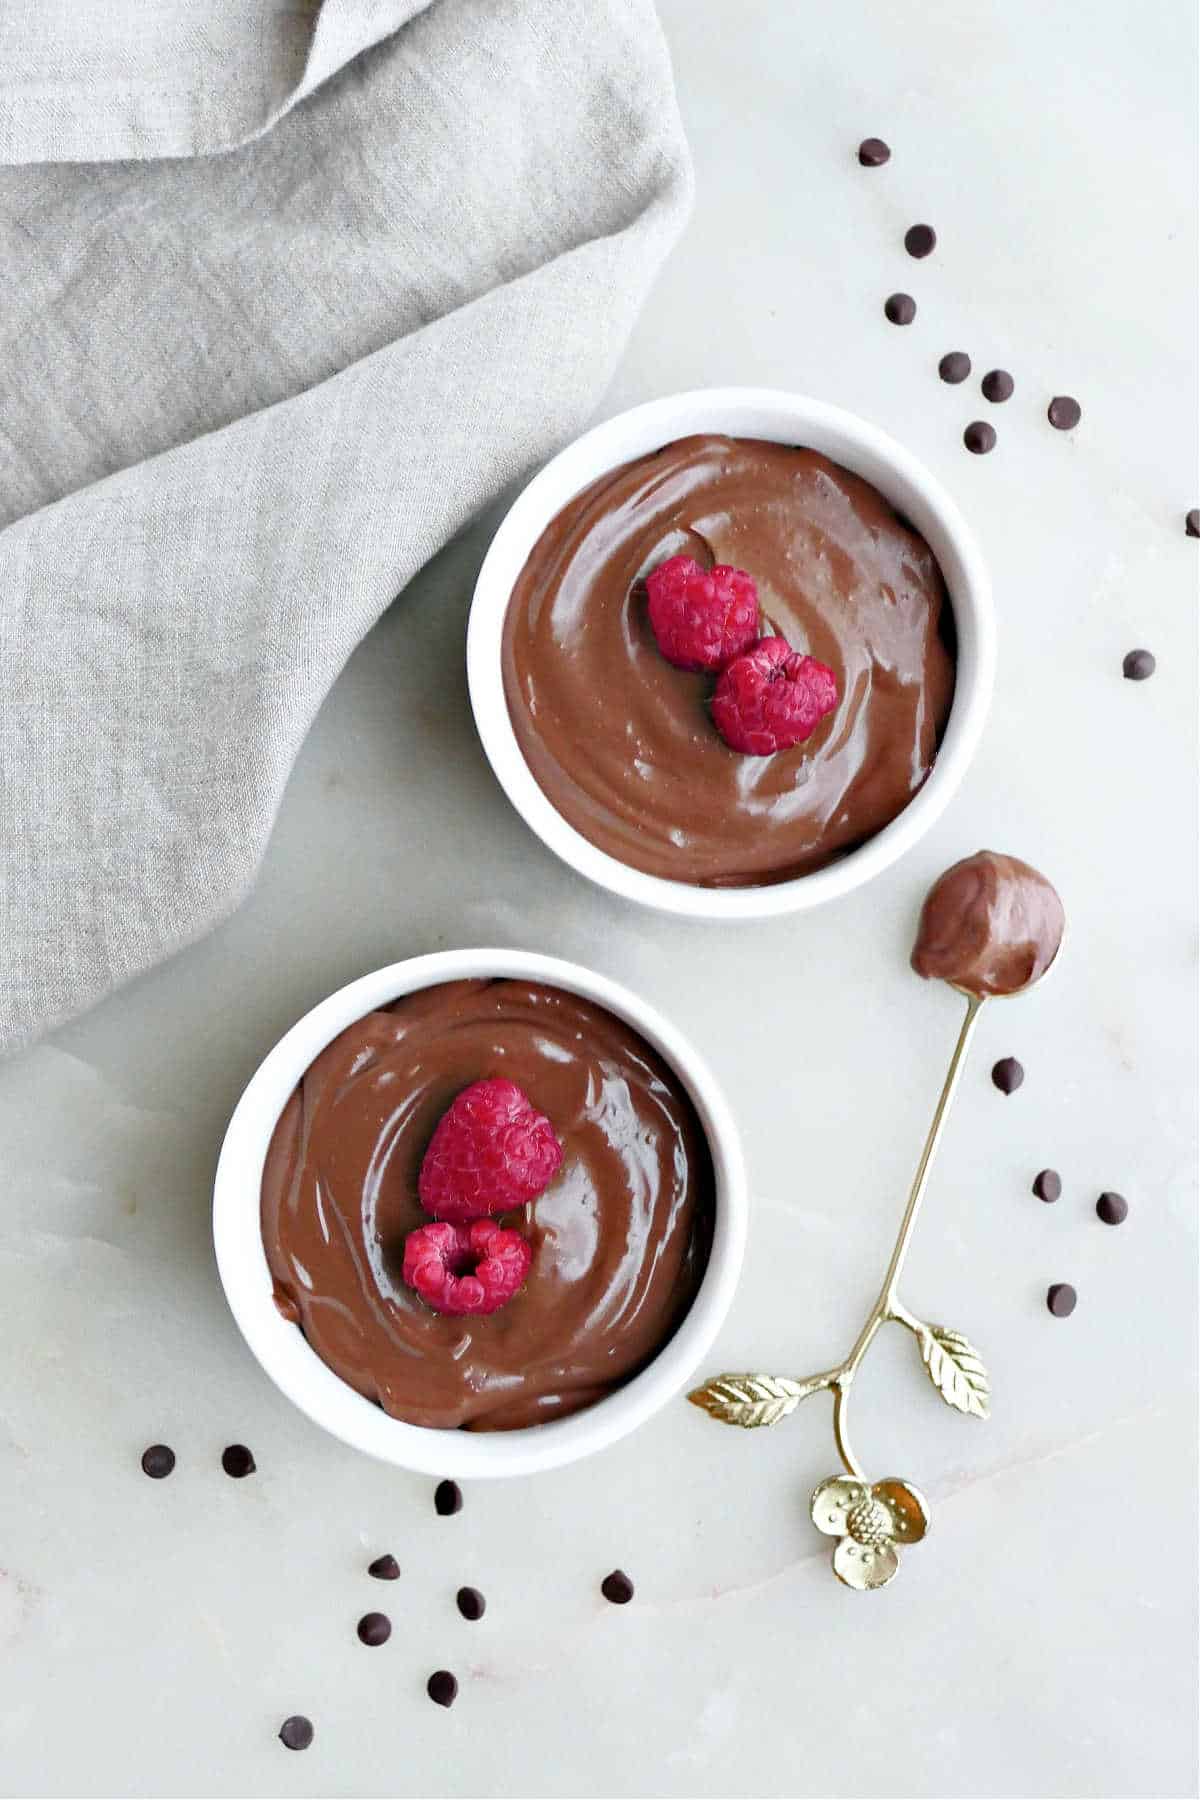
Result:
{"points": [[491, 1151], [701, 617], [772, 698], [471, 1268]]}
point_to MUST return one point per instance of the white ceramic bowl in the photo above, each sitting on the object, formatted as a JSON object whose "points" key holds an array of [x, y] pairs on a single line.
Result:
{"points": [[300, 1373], [783, 418]]}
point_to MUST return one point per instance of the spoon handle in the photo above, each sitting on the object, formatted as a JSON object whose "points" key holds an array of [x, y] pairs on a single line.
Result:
{"points": [[921, 1178], [887, 1304], [952, 1362]]}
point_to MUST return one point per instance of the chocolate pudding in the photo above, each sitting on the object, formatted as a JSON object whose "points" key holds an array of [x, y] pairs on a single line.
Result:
{"points": [[990, 925], [621, 743], [620, 1238]]}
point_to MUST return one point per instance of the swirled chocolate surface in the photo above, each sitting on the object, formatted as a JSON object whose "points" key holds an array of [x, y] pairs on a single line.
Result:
{"points": [[620, 1237], [989, 925], [621, 743]]}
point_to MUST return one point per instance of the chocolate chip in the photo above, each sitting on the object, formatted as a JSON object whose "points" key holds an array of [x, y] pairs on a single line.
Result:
{"points": [[1048, 1184], [997, 385], [384, 1568], [447, 1498], [901, 309], [1064, 413], [1061, 1299], [617, 1587], [296, 1733], [237, 1461], [873, 153], [471, 1603], [1008, 1074], [442, 1688], [1112, 1208], [158, 1461], [954, 367], [1192, 523], [374, 1629], [919, 240], [980, 437], [1139, 665]]}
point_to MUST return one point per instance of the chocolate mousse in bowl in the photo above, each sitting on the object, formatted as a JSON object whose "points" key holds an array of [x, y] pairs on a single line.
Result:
{"points": [[818, 561], [480, 1213]]}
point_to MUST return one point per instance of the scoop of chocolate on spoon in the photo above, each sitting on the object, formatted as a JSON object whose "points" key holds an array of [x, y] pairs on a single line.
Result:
{"points": [[991, 927]]}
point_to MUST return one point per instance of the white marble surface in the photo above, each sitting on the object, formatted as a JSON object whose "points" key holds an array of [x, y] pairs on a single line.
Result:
{"points": [[1043, 1641]]}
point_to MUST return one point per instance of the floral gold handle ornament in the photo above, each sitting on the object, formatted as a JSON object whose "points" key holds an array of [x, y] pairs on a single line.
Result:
{"points": [[991, 926]]}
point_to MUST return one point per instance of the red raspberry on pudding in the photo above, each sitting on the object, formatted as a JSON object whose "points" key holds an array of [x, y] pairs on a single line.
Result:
{"points": [[701, 617], [475, 1268], [492, 1151], [772, 698]]}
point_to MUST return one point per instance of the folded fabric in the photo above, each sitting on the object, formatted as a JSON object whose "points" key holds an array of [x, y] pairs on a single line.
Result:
{"points": [[98, 80], [246, 396]]}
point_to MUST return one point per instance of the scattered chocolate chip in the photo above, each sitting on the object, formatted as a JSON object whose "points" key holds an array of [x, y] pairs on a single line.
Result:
{"points": [[237, 1461], [901, 309], [617, 1587], [471, 1603], [919, 240], [980, 437], [1139, 665], [442, 1688], [1048, 1184], [384, 1568], [1061, 1299], [954, 367], [997, 385], [873, 153], [447, 1498], [1192, 523], [296, 1733], [1008, 1074], [374, 1629], [1112, 1208], [158, 1461], [1064, 413]]}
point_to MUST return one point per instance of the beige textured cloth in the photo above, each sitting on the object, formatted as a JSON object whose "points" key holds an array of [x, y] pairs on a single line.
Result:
{"points": [[248, 392]]}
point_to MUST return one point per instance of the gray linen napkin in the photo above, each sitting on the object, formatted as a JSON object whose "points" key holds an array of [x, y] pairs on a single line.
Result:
{"points": [[245, 396]]}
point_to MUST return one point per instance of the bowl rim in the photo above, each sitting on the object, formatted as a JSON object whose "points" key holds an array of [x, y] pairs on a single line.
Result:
{"points": [[785, 417], [296, 1369]]}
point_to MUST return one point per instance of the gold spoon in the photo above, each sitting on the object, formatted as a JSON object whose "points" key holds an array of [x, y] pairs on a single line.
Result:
{"points": [[871, 1520]]}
